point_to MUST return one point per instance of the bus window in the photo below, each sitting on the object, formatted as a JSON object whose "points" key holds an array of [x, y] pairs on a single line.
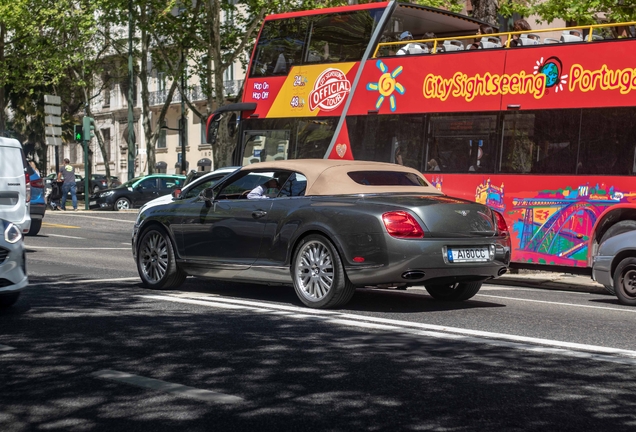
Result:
{"points": [[265, 146], [607, 141], [388, 138], [313, 137], [279, 47], [341, 37], [461, 143], [544, 142]]}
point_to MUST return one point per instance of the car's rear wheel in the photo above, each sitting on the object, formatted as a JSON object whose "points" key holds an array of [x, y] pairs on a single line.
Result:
{"points": [[122, 204], [156, 261], [318, 274], [454, 292], [36, 224], [625, 281], [616, 229], [7, 300]]}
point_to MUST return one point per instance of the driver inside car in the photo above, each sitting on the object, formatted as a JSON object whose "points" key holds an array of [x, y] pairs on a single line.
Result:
{"points": [[259, 192]]}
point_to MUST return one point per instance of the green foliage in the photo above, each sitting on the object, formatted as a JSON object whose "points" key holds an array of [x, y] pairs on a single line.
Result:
{"points": [[585, 12]]}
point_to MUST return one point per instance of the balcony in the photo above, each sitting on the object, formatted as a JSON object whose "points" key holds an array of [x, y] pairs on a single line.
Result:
{"points": [[195, 93]]}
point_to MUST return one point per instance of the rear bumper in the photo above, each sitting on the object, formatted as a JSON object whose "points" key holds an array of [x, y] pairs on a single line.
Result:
{"points": [[421, 262], [37, 210], [13, 276], [601, 270]]}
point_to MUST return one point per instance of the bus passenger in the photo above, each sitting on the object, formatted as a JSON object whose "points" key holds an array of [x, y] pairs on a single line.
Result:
{"points": [[432, 165], [482, 30], [519, 25], [410, 48]]}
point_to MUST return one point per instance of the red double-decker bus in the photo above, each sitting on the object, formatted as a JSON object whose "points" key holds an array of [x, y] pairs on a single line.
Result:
{"points": [[544, 132]]}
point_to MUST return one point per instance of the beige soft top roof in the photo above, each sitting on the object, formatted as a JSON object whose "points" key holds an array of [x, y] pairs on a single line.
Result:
{"points": [[329, 177]]}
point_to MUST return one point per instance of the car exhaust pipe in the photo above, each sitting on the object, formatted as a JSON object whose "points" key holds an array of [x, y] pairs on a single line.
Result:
{"points": [[413, 274], [502, 271]]}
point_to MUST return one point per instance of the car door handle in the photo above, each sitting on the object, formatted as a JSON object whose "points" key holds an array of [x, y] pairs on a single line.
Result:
{"points": [[258, 214]]}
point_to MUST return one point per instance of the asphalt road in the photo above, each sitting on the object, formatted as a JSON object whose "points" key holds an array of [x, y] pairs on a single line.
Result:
{"points": [[88, 348]]}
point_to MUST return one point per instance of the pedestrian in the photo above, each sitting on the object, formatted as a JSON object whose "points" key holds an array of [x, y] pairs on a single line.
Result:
{"points": [[67, 174], [519, 25]]}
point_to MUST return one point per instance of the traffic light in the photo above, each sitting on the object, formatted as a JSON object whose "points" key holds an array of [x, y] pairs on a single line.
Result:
{"points": [[89, 128], [78, 134]]}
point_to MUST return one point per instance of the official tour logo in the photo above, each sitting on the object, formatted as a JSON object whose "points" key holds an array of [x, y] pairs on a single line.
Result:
{"points": [[330, 90]]}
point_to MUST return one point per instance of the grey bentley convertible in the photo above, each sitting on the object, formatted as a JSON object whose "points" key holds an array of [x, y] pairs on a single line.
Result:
{"points": [[325, 227]]}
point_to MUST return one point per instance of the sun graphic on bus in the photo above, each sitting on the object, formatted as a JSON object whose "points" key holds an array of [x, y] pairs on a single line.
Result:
{"points": [[551, 68], [387, 85]]}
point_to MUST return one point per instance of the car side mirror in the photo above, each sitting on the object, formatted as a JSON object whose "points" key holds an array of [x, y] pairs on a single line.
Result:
{"points": [[176, 193], [207, 195]]}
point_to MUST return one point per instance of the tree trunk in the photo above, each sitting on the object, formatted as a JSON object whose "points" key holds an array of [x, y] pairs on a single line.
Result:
{"points": [[145, 96], [486, 10]]}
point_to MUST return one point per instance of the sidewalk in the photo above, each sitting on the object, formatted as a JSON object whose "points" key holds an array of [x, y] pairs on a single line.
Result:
{"points": [[550, 280]]}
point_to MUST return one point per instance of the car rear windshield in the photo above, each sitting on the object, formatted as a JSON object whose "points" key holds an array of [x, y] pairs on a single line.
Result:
{"points": [[386, 178]]}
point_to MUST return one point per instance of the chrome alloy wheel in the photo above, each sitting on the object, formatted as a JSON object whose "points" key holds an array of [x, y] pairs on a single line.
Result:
{"points": [[314, 271], [122, 204], [153, 257]]}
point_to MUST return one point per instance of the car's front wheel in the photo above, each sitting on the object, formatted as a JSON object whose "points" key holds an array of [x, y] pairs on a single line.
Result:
{"points": [[625, 281], [7, 300], [454, 292], [156, 261], [318, 274], [122, 204]]}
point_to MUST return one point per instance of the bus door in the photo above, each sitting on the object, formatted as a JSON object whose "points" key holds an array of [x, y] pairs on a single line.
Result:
{"points": [[265, 145]]}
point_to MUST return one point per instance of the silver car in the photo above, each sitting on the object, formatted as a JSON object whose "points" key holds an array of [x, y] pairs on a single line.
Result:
{"points": [[615, 266], [13, 275]]}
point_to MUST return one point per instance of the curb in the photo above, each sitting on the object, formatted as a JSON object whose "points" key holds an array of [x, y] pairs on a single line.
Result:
{"points": [[553, 281]]}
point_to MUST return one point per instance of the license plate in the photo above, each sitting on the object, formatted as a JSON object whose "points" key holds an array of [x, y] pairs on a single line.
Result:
{"points": [[92, 203], [468, 254]]}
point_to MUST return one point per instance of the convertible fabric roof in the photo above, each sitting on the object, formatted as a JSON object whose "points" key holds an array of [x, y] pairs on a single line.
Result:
{"points": [[329, 176]]}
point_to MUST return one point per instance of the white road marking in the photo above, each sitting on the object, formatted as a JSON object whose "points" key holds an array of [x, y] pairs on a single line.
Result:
{"points": [[167, 387], [76, 248], [560, 304], [607, 354], [65, 236], [96, 217], [84, 281], [5, 348]]}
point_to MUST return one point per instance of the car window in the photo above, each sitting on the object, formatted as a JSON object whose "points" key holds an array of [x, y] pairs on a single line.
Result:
{"points": [[295, 185], [196, 190], [169, 183], [386, 178], [239, 187], [148, 184]]}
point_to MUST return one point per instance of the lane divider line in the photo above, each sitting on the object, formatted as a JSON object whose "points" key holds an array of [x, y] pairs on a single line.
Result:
{"points": [[65, 236], [167, 387], [430, 330], [559, 304], [75, 248], [95, 217], [4, 348], [79, 281]]}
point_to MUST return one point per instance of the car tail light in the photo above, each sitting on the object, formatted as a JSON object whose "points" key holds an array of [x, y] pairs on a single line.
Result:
{"points": [[502, 227], [401, 224], [27, 181], [38, 183]]}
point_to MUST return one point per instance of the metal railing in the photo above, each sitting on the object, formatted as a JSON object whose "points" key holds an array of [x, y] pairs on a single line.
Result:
{"points": [[509, 35], [195, 93]]}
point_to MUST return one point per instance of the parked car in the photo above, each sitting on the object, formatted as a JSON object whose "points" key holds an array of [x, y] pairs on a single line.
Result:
{"points": [[614, 266], [15, 185], [13, 276], [79, 183], [329, 227], [99, 182], [136, 192], [37, 207]]}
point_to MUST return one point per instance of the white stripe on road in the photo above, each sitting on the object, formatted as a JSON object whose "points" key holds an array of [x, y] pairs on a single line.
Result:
{"points": [[571, 349], [84, 281], [167, 387], [559, 304], [5, 348], [95, 217], [65, 236], [75, 248]]}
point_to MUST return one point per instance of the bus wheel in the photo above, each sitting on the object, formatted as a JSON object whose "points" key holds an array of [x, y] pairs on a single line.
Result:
{"points": [[454, 292], [616, 229], [625, 281]]}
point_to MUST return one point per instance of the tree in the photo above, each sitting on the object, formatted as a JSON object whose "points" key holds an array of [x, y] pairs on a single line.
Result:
{"points": [[585, 12]]}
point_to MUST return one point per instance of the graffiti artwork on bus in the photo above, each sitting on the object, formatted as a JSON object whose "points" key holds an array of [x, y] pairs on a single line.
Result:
{"points": [[554, 226]]}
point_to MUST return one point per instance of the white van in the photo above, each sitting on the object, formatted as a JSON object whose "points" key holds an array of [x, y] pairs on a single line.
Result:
{"points": [[15, 188]]}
